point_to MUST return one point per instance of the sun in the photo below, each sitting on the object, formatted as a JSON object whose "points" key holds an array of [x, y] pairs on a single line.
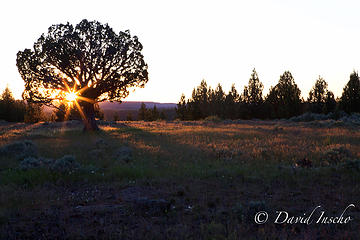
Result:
{"points": [[71, 97]]}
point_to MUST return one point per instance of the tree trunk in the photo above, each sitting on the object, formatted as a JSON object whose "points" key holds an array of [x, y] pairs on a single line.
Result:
{"points": [[89, 120]]}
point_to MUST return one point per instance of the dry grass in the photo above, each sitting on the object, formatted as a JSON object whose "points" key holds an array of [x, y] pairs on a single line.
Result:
{"points": [[204, 169]]}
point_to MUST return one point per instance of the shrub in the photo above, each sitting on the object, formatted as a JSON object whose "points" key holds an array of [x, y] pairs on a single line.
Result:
{"points": [[352, 164], [20, 150], [337, 155], [124, 153], [65, 164], [33, 162], [213, 119], [29, 163], [308, 117]]}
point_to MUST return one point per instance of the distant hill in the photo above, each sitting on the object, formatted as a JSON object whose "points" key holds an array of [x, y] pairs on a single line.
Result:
{"points": [[125, 109], [133, 105]]}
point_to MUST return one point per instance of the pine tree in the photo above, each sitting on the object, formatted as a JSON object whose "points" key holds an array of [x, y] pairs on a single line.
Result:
{"points": [[162, 115], [350, 99], [218, 100], [142, 112], [285, 97], [154, 114], [10, 109], [231, 103], [252, 93], [181, 110], [330, 103], [129, 117], [33, 113], [252, 97], [317, 95]]}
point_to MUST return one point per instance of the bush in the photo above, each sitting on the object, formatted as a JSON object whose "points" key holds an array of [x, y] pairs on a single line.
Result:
{"points": [[337, 155], [30, 162], [213, 119], [124, 153], [352, 164], [308, 117], [67, 163], [19, 150]]}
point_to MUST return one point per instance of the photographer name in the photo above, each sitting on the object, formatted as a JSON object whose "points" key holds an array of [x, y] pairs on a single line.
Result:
{"points": [[323, 217], [317, 216]]}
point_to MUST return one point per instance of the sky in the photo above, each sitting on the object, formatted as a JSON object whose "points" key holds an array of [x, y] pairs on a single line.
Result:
{"points": [[219, 41]]}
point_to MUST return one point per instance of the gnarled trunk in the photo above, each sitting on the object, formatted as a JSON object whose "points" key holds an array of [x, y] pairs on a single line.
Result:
{"points": [[89, 120]]}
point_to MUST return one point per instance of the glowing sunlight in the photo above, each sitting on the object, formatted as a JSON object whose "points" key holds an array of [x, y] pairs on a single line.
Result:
{"points": [[71, 97]]}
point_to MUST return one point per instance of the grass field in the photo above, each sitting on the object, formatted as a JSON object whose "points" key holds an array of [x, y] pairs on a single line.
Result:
{"points": [[179, 180]]}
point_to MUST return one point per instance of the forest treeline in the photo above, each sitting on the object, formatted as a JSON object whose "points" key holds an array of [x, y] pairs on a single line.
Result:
{"points": [[283, 100], [13, 110]]}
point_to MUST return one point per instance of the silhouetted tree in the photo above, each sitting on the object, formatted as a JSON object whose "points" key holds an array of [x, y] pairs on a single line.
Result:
{"points": [[231, 103], [142, 112], [198, 105], [10, 109], [66, 112], [7, 101], [330, 103], [252, 97], [217, 100], [154, 114], [148, 114], [318, 95], [350, 98], [181, 110], [116, 117], [33, 113], [129, 117], [162, 115], [89, 59], [253, 91], [285, 97], [69, 112]]}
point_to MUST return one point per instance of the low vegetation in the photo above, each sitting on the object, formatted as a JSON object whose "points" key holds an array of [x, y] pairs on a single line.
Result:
{"points": [[176, 180]]}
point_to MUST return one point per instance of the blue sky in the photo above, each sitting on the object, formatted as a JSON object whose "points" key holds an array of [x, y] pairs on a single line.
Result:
{"points": [[220, 41]]}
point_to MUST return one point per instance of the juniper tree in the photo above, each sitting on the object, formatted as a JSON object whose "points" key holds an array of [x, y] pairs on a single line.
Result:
{"points": [[88, 63], [350, 98]]}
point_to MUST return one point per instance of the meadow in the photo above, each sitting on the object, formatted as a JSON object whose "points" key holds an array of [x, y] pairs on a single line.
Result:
{"points": [[177, 179]]}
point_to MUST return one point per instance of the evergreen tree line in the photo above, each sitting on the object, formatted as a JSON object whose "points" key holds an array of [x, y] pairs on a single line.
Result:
{"points": [[70, 112], [150, 114], [12, 110], [283, 100]]}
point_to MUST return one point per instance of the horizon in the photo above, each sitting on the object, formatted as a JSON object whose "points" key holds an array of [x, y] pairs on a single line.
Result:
{"points": [[220, 43]]}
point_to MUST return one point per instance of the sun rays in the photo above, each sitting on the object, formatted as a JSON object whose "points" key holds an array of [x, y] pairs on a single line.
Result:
{"points": [[72, 98]]}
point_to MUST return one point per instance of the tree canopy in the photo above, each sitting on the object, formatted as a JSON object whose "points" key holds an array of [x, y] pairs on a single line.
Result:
{"points": [[10, 109], [253, 91], [350, 98], [285, 97], [88, 60]]}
